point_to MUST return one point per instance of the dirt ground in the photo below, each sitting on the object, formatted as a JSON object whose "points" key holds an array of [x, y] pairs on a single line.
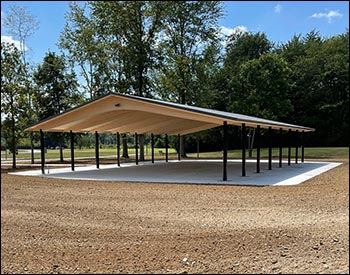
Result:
{"points": [[65, 226]]}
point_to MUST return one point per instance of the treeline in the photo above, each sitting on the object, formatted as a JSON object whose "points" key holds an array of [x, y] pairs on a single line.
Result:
{"points": [[175, 51]]}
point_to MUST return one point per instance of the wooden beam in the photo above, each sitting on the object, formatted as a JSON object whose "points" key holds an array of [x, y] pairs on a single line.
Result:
{"points": [[197, 129]]}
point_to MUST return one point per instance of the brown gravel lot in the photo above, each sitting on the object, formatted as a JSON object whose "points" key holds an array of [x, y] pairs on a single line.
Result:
{"points": [[65, 226]]}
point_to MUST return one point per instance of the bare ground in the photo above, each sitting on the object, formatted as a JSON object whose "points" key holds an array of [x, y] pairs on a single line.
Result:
{"points": [[66, 226]]}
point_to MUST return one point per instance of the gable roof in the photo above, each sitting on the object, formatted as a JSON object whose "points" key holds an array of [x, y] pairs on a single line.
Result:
{"points": [[122, 113]]}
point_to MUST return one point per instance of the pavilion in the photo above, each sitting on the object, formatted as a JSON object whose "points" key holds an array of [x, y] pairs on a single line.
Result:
{"points": [[120, 113]]}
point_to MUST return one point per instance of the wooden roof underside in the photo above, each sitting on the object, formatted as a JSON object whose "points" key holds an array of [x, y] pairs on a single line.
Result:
{"points": [[129, 114]]}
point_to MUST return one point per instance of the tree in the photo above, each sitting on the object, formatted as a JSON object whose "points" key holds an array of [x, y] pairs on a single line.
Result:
{"points": [[246, 46], [21, 25], [114, 46], [13, 103], [190, 29], [239, 90], [85, 48], [319, 88], [261, 88], [130, 28], [57, 90]]}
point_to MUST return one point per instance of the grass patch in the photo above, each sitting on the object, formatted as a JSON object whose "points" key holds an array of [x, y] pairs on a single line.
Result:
{"points": [[84, 153], [310, 153]]}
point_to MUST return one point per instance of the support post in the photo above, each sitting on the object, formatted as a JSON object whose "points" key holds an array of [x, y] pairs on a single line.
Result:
{"points": [[97, 150], [136, 149], [166, 148], [280, 154], [197, 147], [118, 148], [302, 146], [258, 149], [224, 153], [296, 145], [72, 149], [270, 148], [152, 147], [178, 148], [42, 149], [289, 145], [243, 149]]}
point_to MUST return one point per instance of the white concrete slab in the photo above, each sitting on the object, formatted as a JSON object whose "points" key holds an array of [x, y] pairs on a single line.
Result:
{"points": [[193, 172]]}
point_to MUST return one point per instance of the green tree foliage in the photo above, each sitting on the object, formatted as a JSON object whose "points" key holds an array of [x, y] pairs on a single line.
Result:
{"points": [[260, 88], [85, 50], [319, 85], [130, 28], [13, 100], [187, 44], [251, 81], [57, 90], [115, 40], [241, 47], [246, 46]]}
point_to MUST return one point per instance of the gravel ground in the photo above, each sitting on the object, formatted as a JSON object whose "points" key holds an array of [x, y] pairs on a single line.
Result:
{"points": [[61, 226]]}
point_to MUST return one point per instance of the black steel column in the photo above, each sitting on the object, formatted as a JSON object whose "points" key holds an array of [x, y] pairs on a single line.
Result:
{"points": [[72, 149], [289, 144], [302, 146], [243, 149], [166, 147], [280, 155], [178, 148], [118, 148], [42, 148], [258, 149], [296, 145], [152, 147], [136, 150], [224, 153], [97, 150], [270, 148]]}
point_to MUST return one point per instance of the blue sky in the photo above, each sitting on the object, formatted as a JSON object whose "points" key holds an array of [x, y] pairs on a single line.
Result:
{"points": [[280, 20]]}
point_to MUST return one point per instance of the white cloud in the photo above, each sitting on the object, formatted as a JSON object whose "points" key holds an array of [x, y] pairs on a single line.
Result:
{"points": [[278, 8], [226, 32], [9, 39], [328, 15], [236, 30]]}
